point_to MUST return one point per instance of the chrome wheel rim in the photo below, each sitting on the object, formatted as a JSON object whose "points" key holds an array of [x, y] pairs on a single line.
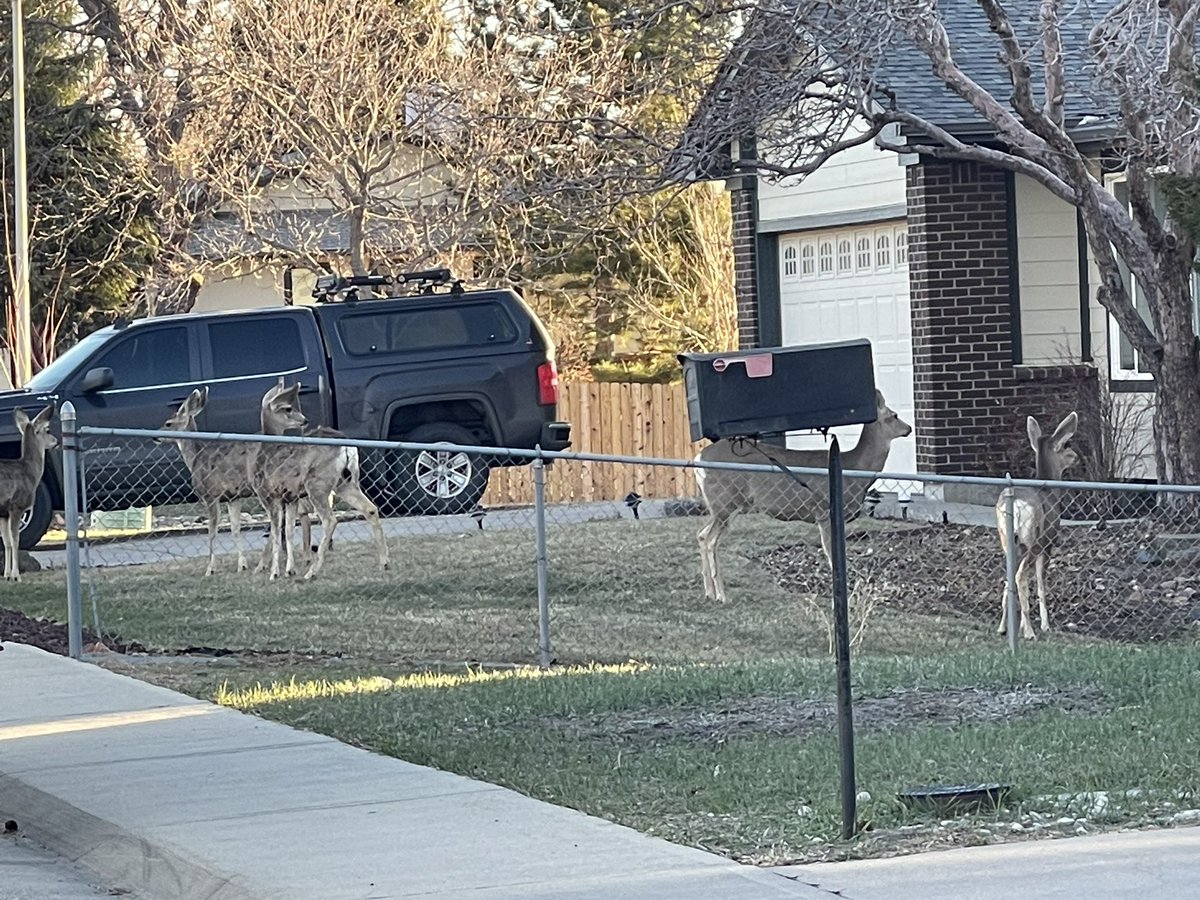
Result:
{"points": [[444, 474]]}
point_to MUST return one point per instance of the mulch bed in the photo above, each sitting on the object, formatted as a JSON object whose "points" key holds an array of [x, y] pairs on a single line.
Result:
{"points": [[1099, 582], [52, 636]]}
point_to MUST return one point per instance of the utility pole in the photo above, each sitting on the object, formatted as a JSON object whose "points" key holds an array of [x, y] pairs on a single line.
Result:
{"points": [[19, 326]]}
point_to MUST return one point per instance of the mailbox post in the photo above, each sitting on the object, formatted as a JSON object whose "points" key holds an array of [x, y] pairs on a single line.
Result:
{"points": [[751, 394]]}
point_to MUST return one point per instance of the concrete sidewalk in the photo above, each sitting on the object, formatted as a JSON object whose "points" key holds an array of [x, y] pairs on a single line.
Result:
{"points": [[1152, 864], [172, 797]]}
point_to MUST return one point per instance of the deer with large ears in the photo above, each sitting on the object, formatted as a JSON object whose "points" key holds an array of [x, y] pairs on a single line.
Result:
{"points": [[221, 473], [289, 475], [728, 492], [19, 480], [1037, 514]]}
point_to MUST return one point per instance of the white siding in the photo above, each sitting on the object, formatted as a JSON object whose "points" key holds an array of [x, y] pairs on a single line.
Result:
{"points": [[1048, 262], [240, 285], [860, 178]]}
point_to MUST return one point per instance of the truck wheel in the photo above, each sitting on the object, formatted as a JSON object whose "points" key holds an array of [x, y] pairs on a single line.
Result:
{"points": [[35, 522], [440, 482]]}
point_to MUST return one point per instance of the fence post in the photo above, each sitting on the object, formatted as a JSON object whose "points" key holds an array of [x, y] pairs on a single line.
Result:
{"points": [[71, 513], [841, 632], [539, 514], [1010, 565]]}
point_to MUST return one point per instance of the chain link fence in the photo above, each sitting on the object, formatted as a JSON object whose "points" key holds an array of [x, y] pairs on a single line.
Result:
{"points": [[606, 581]]}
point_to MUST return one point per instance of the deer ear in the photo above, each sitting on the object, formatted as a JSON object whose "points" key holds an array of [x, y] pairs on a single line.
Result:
{"points": [[1065, 430], [1035, 431], [879, 401], [44, 416], [294, 390], [204, 395], [21, 418]]}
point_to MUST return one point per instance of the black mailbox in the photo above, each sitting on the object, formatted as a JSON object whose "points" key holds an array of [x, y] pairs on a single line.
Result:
{"points": [[774, 389]]}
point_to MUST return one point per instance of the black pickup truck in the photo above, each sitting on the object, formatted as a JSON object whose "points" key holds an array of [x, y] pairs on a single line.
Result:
{"points": [[440, 364]]}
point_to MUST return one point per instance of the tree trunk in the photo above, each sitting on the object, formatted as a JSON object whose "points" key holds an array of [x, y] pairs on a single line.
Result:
{"points": [[1177, 374], [358, 240]]}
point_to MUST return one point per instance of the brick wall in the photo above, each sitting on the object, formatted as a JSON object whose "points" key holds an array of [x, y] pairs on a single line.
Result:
{"points": [[743, 201], [971, 401]]}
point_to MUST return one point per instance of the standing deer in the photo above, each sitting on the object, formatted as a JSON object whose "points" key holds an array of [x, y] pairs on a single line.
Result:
{"points": [[728, 492], [19, 479], [1037, 514], [287, 475], [221, 473]]}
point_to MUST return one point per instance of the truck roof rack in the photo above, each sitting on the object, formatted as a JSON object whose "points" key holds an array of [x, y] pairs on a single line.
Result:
{"points": [[331, 288]]}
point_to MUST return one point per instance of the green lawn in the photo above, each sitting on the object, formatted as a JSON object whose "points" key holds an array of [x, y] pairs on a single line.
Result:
{"points": [[709, 725]]}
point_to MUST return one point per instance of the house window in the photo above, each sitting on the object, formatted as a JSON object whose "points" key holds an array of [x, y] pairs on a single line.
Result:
{"points": [[807, 261], [863, 252], [825, 257], [901, 247], [883, 249], [845, 260], [790, 253], [1124, 363]]}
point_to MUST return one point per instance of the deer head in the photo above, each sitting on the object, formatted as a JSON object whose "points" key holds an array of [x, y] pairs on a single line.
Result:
{"points": [[887, 423], [281, 409], [1051, 455], [35, 432], [184, 418]]}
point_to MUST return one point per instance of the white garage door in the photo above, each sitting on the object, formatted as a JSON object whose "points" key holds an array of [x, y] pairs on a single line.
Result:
{"points": [[850, 283]]}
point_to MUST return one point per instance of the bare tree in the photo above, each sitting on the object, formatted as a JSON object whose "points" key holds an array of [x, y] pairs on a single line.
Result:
{"points": [[395, 126], [161, 72], [811, 78]]}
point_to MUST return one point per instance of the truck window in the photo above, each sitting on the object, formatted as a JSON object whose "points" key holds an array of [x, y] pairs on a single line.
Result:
{"points": [[256, 346], [148, 358], [468, 325]]}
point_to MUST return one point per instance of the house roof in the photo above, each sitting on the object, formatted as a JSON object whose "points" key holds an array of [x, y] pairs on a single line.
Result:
{"points": [[907, 71], [904, 70]]}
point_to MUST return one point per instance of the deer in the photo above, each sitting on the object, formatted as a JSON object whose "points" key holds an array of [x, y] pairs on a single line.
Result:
{"points": [[1037, 514], [288, 475], [728, 492], [19, 479], [221, 473]]}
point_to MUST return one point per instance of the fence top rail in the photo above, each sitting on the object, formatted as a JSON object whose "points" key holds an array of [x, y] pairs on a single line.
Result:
{"points": [[568, 456]]}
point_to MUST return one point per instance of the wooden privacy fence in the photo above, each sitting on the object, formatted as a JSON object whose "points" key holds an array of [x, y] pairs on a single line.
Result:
{"points": [[612, 418]]}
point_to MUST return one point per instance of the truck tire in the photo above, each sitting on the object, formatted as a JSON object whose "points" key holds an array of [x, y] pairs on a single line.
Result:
{"points": [[444, 482], [35, 522]]}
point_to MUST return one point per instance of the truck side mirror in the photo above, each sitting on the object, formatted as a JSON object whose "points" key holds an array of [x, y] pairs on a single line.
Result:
{"points": [[97, 379]]}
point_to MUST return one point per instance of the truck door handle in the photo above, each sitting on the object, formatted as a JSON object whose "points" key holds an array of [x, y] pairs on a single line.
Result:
{"points": [[304, 389]]}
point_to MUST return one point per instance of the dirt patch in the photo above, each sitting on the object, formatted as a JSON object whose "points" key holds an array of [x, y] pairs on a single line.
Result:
{"points": [[52, 636], [788, 716], [1103, 583]]}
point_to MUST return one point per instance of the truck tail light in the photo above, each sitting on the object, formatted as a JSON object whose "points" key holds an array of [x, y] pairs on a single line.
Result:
{"points": [[547, 383]]}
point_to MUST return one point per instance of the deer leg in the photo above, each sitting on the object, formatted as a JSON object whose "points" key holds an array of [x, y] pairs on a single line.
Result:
{"points": [[826, 532], [352, 494], [289, 545], [235, 528], [12, 553], [1040, 566], [8, 554], [214, 520], [1004, 590], [305, 529], [275, 532], [1023, 589], [710, 539], [325, 514]]}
